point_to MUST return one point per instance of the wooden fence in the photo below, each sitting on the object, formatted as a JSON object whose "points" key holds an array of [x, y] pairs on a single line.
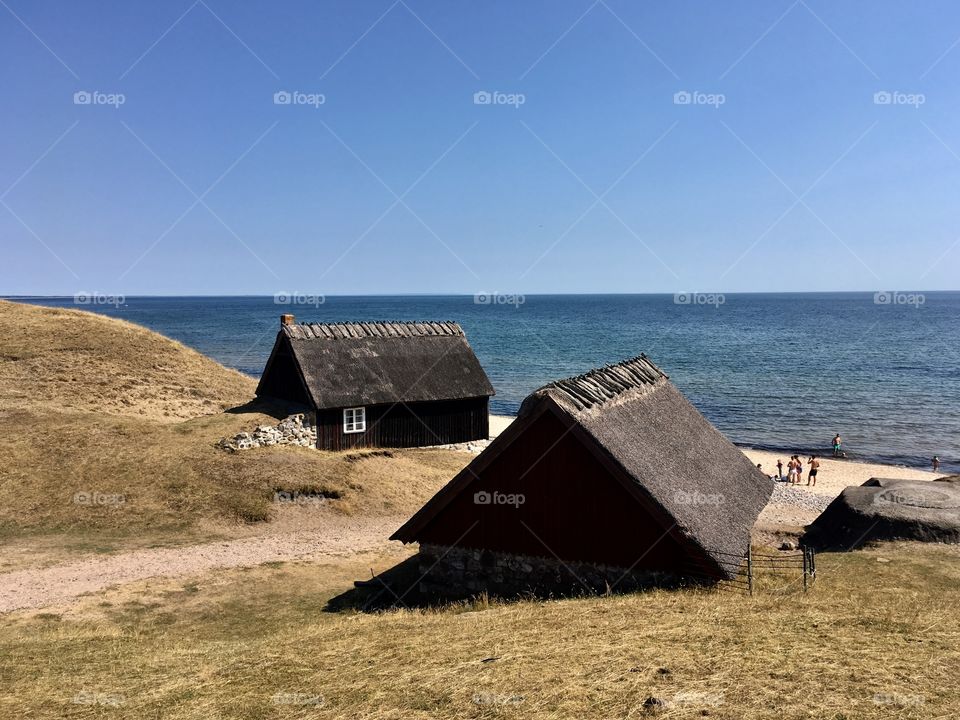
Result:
{"points": [[763, 571]]}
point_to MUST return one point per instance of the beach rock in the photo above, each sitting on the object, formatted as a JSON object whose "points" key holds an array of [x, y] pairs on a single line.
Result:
{"points": [[885, 509]]}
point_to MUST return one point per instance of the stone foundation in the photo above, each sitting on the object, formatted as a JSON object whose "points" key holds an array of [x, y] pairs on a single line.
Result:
{"points": [[462, 572], [294, 430]]}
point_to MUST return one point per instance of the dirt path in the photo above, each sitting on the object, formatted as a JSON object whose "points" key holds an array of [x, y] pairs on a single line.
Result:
{"points": [[339, 537]]}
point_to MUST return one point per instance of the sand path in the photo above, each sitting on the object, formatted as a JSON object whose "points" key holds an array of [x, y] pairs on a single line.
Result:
{"points": [[340, 537]]}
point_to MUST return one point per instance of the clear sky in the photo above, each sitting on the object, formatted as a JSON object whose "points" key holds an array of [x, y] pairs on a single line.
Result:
{"points": [[588, 170]]}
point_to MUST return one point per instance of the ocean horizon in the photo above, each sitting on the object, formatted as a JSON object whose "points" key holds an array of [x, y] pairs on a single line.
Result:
{"points": [[777, 371]]}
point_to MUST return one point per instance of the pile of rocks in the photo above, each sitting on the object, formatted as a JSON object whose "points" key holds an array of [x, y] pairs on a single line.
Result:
{"points": [[474, 446], [797, 496], [294, 430]]}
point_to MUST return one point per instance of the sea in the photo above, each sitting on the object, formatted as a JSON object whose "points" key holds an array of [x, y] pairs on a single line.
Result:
{"points": [[783, 372]]}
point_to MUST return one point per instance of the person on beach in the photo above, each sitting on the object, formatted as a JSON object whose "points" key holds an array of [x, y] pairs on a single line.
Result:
{"points": [[779, 469], [812, 475], [799, 469], [837, 446], [936, 464], [792, 470]]}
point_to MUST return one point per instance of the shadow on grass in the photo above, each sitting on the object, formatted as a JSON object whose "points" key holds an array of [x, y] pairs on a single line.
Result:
{"points": [[401, 587], [277, 409]]}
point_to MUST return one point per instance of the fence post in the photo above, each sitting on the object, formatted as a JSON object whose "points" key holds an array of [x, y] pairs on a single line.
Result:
{"points": [[750, 569], [806, 566]]}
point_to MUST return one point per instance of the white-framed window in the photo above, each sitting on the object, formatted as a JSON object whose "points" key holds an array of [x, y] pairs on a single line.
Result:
{"points": [[354, 420]]}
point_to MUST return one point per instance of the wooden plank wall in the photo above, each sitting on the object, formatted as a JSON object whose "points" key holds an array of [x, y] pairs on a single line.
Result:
{"points": [[408, 425]]}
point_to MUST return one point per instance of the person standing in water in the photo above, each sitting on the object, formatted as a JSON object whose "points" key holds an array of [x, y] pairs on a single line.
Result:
{"points": [[837, 446], [936, 464], [812, 475]]}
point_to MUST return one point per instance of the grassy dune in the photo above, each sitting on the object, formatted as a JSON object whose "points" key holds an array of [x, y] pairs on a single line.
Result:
{"points": [[90, 404], [872, 639]]}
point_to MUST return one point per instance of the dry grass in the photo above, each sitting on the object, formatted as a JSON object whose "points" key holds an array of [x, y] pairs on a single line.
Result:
{"points": [[89, 404], [871, 640]]}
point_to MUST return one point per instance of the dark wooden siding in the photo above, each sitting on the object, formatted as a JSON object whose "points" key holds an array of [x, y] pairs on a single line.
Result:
{"points": [[573, 509], [408, 425], [281, 379]]}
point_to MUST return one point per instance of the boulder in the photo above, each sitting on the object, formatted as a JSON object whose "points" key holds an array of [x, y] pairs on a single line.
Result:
{"points": [[885, 509]]}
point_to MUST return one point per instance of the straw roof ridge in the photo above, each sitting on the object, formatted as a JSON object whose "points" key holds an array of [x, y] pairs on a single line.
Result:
{"points": [[607, 384], [375, 329]]}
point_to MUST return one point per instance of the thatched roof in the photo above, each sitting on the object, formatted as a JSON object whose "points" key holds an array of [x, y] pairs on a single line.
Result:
{"points": [[373, 363], [669, 454]]}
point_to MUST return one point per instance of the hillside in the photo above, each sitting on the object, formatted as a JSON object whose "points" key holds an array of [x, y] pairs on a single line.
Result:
{"points": [[120, 414], [65, 360]]}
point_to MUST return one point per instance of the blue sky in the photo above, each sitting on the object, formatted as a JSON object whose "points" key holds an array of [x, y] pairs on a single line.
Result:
{"points": [[587, 173]]}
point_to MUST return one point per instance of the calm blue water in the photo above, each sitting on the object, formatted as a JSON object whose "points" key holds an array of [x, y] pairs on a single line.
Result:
{"points": [[782, 371]]}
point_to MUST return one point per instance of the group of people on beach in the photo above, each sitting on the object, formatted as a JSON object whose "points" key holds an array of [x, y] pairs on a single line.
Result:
{"points": [[795, 465], [795, 470]]}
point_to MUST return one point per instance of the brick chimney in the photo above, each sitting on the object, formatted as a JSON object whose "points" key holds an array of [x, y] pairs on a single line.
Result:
{"points": [[286, 319]]}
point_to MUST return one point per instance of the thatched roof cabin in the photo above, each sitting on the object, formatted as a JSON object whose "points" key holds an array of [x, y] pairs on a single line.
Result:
{"points": [[611, 468], [385, 384]]}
